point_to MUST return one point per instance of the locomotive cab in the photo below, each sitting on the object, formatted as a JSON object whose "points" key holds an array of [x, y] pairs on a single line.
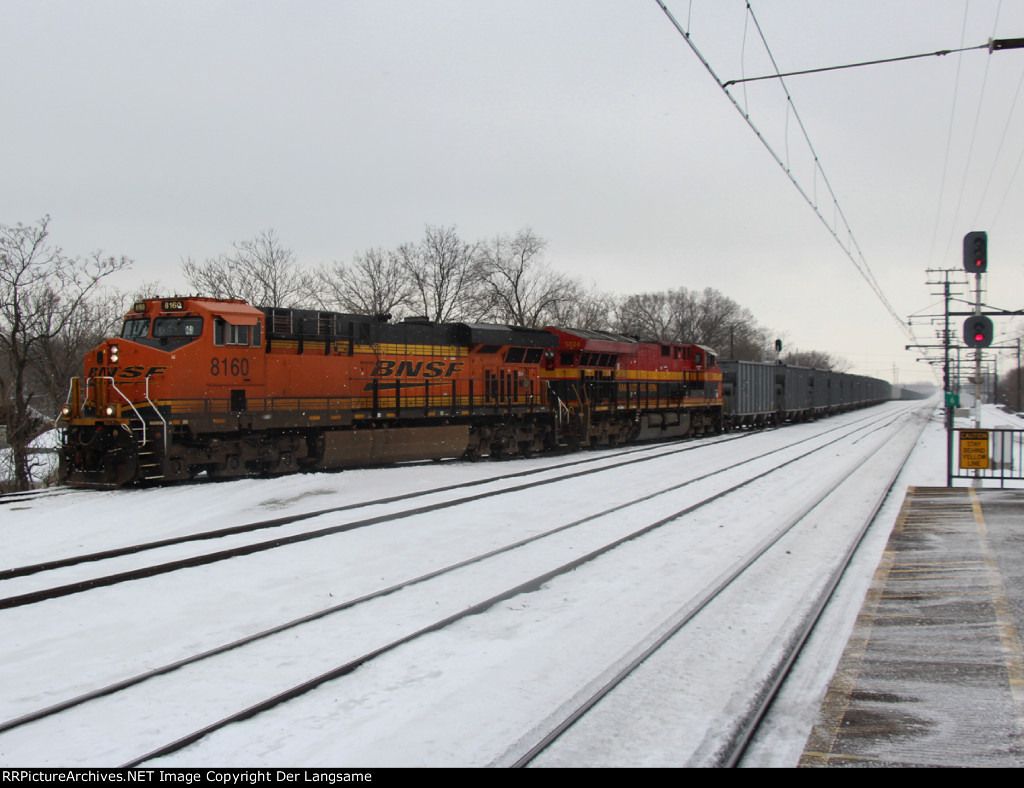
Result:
{"points": [[119, 419], [206, 349]]}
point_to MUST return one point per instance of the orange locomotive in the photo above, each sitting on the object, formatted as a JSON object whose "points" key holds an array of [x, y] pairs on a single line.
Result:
{"points": [[197, 384]]}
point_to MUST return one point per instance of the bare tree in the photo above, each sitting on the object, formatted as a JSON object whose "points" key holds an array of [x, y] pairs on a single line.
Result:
{"points": [[721, 323], [144, 290], [59, 358], [519, 286], [42, 293], [445, 275], [375, 283], [706, 318], [648, 316], [587, 309], [260, 271]]}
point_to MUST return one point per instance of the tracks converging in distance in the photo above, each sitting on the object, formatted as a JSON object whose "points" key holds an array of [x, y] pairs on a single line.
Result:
{"points": [[511, 564]]}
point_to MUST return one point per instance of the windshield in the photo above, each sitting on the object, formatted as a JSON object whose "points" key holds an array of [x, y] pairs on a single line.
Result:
{"points": [[177, 327], [135, 328]]}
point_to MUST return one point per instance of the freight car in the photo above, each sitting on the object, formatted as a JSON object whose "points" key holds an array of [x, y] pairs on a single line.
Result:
{"points": [[198, 385], [760, 395]]}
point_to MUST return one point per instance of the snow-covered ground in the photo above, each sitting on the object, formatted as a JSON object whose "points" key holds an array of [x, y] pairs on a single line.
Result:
{"points": [[783, 734], [58, 648]]}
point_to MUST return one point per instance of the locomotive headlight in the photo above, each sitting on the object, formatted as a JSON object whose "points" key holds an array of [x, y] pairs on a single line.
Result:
{"points": [[65, 411], [113, 354], [110, 410]]}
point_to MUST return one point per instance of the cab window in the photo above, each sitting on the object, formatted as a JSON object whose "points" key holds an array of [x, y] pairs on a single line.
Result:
{"points": [[135, 328], [224, 333]]}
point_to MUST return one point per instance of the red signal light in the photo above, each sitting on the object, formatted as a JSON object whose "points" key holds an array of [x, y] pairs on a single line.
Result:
{"points": [[978, 331], [976, 252]]}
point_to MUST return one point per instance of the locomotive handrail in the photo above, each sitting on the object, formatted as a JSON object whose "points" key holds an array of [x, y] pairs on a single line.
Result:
{"points": [[113, 385], [156, 410], [72, 402], [563, 411]]}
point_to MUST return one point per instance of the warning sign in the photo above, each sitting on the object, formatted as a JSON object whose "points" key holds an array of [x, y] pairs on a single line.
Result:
{"points": [[974, 449]]}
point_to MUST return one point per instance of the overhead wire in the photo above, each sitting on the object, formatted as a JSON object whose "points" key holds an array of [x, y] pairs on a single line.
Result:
{"points": [[970, 149], [862, 265], [1013, 176], [938, 53], [852, 251], [949, 140], [995, 161]]}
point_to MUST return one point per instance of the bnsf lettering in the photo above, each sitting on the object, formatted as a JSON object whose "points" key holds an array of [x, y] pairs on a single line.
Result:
{"points": [[126, 373], [415, 369]]}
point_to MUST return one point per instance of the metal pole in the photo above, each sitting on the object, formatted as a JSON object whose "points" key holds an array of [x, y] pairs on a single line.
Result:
{"points": [[977, 372], [947, 385], [995, 377], [1020, 399], [977, 356]]}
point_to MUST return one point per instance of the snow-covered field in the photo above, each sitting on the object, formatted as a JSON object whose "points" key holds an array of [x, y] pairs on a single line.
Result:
{"points": [[59, 648]]}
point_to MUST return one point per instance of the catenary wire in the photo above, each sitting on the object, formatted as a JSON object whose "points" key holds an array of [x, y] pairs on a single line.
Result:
{"points": [[857, 259], [970, 153], [938, 53], [999, 147]]}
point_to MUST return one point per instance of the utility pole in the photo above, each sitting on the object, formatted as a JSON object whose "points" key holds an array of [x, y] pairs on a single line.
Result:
{"points": [[951, 398]]}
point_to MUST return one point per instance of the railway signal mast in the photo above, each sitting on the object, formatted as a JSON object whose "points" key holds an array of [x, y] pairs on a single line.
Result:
{"points": [[979, 333], [978, 327]]}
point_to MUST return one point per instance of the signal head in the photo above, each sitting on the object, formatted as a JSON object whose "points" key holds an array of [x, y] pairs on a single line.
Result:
{"points": [[978, 331], [976, 252]]}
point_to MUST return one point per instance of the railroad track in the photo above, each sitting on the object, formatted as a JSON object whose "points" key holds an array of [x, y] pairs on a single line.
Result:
{"points": [[721, 739], [605, 543], [15, 498], [503, 484]]}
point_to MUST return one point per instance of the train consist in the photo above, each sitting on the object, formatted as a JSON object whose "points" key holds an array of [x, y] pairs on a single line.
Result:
{"points": [[198, 385]]}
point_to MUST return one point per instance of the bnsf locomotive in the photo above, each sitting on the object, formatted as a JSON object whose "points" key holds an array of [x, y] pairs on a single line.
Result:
{"points": [[209, 385]]}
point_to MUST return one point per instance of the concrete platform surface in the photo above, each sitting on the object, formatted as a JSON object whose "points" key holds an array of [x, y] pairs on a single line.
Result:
{"points": [[933, 674]]}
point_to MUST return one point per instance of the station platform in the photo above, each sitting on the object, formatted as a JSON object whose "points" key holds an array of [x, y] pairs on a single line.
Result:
{"points": [[933, 673]]}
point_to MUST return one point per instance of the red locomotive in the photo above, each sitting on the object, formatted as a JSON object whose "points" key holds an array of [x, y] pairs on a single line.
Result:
{"points": [[618, 389], [198, 384]]}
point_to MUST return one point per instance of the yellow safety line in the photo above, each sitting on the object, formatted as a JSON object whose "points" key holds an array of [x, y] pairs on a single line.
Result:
{"points": [[1009, 636]]}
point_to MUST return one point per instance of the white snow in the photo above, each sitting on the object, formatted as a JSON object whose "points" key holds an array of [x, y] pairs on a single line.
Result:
{"points": [[417, 694]]}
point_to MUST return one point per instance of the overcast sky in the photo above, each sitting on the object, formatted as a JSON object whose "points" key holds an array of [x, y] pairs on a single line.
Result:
{"points": [[165, 130]]}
